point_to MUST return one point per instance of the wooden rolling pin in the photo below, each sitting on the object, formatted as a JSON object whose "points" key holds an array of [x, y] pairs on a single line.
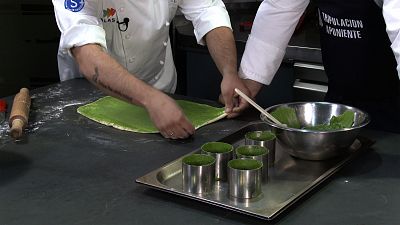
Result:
{"points": [[19, 113]]}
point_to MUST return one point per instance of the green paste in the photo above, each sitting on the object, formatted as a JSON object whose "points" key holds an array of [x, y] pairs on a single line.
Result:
{"points": [[217, 147], [286, 115], [254, 150], [124, 116], [245, 164], [342, 121], [260, 136], [198, 160]]}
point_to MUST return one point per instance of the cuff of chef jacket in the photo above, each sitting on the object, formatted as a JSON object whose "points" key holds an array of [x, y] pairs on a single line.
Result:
{"points": [[260, 61], [210, 19], [80, 35], [396, 50]]}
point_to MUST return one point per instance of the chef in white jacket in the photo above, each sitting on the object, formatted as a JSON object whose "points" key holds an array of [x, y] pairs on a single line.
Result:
{"points": [[123, 48], [360, 46]]}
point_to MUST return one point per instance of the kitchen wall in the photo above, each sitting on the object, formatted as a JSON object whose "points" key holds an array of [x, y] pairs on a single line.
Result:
{"points": [[29, 42]]}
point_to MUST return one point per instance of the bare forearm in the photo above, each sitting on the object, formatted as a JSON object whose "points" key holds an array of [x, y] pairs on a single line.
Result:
{"points": [[221, 45], [253, 86], [108, 75]]}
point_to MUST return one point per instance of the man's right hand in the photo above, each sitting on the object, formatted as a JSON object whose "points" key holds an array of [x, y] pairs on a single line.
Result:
{"points": [[109, 76], [168, 117]]}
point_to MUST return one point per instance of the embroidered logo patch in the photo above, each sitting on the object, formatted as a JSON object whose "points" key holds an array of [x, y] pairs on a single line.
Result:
{"points": [[109, 12], [109, 15], [74, 5]]}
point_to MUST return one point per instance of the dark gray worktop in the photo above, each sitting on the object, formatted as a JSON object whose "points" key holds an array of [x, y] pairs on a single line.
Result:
{"points": [[70, 170]]}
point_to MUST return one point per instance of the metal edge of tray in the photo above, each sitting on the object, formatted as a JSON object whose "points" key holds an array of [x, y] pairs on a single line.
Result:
{"points": [[329, 173], [150, 180]]}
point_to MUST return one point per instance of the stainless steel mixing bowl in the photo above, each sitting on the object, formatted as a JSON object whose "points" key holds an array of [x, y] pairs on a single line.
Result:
{"points": [[317, 145]]}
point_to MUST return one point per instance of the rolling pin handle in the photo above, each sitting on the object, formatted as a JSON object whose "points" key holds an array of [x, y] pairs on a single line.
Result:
{"points": [[16, 128], [19, 113]]}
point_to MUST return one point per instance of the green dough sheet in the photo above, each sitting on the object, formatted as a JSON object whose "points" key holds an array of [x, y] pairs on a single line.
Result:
{"points": [[124, 116]]}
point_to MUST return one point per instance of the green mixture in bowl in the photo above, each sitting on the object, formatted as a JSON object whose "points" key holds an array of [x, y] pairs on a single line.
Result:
{"points": [[288, 116], [342, 121]]}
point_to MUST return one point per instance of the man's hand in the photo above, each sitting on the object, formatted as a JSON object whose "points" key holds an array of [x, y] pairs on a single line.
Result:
{"points": [[251, 89], [253, 86], [234, 105], [109, 76], [168, 117]]}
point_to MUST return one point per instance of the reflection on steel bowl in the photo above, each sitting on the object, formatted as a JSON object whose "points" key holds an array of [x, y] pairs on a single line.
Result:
{"points": [[313, 144]]}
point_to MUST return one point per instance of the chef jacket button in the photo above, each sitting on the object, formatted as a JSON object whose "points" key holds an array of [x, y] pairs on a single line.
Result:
{"points": [[122, 9], [165, 43], [161, 62], [157, 77], [167, 24], [130, 60], [127, 36]]}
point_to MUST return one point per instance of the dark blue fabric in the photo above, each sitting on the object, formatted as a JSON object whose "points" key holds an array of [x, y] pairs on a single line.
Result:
{"points": [[358, 60]]}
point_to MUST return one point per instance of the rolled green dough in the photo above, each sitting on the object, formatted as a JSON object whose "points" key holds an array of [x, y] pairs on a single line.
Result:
{"points": [[124, 116]]}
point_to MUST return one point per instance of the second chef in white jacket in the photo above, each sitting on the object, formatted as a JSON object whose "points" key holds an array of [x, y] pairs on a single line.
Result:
{"points": [[360, 47], [123, 48]]}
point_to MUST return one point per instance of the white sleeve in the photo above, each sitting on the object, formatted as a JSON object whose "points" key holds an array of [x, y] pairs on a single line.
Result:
{"points": [[391, 13], [205, 16], [272, 29], [78, 23]]}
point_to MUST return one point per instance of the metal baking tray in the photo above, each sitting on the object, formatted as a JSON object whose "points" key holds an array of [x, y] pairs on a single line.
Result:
{"points": [[288, 181]]}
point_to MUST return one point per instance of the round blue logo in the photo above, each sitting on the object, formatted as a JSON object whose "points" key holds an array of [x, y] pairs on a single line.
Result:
{"points": [[74, 5]]}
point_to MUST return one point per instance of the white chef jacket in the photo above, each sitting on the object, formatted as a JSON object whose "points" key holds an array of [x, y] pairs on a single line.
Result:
{"points": [[273, 27], [134, 32]]}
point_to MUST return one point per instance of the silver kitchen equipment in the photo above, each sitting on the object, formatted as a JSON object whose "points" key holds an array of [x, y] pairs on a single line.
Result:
{"points": [[198, 173], [289, 180], [264, 138], [255, 152], [222, 152], [314, 144], [244, 178]]}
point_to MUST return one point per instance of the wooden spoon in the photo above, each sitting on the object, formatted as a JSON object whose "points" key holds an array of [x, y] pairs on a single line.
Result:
{"points": [[269, 116]]}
